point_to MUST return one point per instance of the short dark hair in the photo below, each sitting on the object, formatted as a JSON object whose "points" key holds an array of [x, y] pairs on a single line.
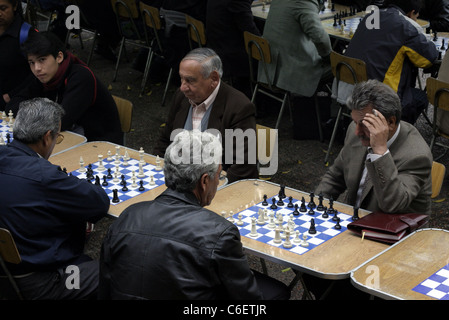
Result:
{"points": [[43, 44]]}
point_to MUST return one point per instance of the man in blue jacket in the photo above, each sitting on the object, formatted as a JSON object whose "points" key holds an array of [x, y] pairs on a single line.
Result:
{"points": [[46, 210]]}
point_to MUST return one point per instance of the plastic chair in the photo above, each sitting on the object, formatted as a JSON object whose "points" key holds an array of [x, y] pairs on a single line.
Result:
{"points": [[151, 18], [438, 95], [10, 254], [258, 48], [195, 32], [351, 71], [438, 173], [126, 12], [125, 112]]}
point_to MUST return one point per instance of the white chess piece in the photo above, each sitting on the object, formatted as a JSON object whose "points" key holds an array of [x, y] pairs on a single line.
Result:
{"points": [[261, 218], [297, 239], [141, 154], [287, 242], [100, 165], [240, 221], [133, 179], [231, 216], [253, 232], [82, 169], [158, 164], [141, 174], [277, 235], [152, 183], [304, 242], [109, 158]]}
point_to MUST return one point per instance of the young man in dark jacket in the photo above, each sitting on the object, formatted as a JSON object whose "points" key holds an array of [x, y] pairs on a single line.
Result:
{"points": [[89, 107]]}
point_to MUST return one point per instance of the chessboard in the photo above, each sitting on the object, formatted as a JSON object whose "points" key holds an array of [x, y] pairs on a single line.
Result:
{"points": [[6, 123], [436, 286], [291, 224], [122, 177]]}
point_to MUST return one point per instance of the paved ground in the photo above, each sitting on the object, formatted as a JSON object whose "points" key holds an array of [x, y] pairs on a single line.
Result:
{"points": [[301, 162]]}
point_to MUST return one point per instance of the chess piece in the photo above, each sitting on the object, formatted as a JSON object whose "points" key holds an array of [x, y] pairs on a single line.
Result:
{"points": [[312, 204], [82, 169], [152, 183], [320, 206], [141, 154], [287, 243], [277, 235], [265, 202], [125, 188], [297, 239], [115, 198], [282, 192], [312, 229], [290, 202], [253, 232], [280, 203], [296, 211], [105, 181], [355, 215], [304, 242], [141, 174], [231, 216], [100, 165], [261, 219], [239, 221], [141, 187], [325, 215], [303, 207], [158, 164], [337, 225], [273, 206]]}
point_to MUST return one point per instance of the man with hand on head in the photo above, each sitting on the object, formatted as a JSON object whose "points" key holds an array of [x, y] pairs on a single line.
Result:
{"points": [[172, 247], [46, 210], [385, 163]]}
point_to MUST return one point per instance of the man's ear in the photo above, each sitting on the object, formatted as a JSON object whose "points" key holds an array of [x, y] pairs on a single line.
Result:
{"points": [[60, 57]]}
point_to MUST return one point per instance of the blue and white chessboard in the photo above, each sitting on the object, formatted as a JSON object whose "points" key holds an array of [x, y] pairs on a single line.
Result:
{"points": [[325, 227], [5, 128], [152, 178], [436, 286]]}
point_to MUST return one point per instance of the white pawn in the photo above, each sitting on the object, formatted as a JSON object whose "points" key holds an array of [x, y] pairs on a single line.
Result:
{"points": [[152, 183], [4, 116], [253, 232], [271, 224], [100, 166], [240, 221], [82, 169], [116, 175], [297, 239], [277, 235], [133, 179], [261, 219], [126, 158], [231, 216], [304, 242], [109, 158], [117, 155], [287, 242]]}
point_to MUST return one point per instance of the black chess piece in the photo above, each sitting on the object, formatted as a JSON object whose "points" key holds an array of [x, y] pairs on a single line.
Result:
{"points": [[312, 229], [273, 206], [335, 218], [105, 181], [325, 215], [290, 202], [337, 225], [303, 207], [109, 176], [320, 206], [115, 198], [282, 192], [296, 211], [97, 180], [312, 204], [122, 182], [265, 202], [331, 209], [355, 216], [141, 188], [311, 212], [125, 188], [280, 203]]}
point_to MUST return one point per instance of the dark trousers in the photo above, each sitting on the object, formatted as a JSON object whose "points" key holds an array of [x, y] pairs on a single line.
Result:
{"points": [[271, 288], [61, 284]]}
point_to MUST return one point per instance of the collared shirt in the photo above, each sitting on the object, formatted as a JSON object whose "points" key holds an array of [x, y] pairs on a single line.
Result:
{"points": [[373, 157], [198, 111]]}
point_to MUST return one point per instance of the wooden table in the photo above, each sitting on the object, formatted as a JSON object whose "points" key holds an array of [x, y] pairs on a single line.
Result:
{"points": [[334, 259], [404, 265], [70, 159], [71, 140]]}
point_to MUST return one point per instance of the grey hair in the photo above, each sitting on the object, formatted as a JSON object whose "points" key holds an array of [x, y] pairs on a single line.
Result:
{"points": [[188, 157], [35, 117], [209, 60], [378, 95]]}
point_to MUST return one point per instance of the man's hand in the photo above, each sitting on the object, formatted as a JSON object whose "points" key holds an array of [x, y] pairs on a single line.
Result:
{"points": [[377, 125]]}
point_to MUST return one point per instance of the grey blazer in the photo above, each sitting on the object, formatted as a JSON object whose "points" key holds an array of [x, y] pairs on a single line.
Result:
{"points": [[400, 181]]}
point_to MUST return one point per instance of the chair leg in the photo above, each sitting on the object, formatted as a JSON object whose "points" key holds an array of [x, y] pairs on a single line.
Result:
{"points": [[11, 279], [334, 132], [284, 102], [92, 48], [167, 85], [146, 71], [122, 44]]}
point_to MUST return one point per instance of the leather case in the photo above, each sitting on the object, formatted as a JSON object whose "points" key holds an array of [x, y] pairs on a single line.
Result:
{"points": [[387, 227]]}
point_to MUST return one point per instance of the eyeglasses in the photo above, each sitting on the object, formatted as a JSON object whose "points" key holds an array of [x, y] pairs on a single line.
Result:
{"points": [[59, 138]]}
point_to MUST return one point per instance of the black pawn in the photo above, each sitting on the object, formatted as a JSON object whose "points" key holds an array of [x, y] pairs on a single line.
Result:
{"points": [[312, 229], [115, 198], [273, 206], [282, 192], [290, 202], [320, 206], [325, 215], [296, 211], [109, 176], [280, 202], [141, 188], [265, 202], [105, 182], [311, 212], [125, 188], [122, 182], [338, 226], [311, 202], [335, 218], [355, 216]]}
